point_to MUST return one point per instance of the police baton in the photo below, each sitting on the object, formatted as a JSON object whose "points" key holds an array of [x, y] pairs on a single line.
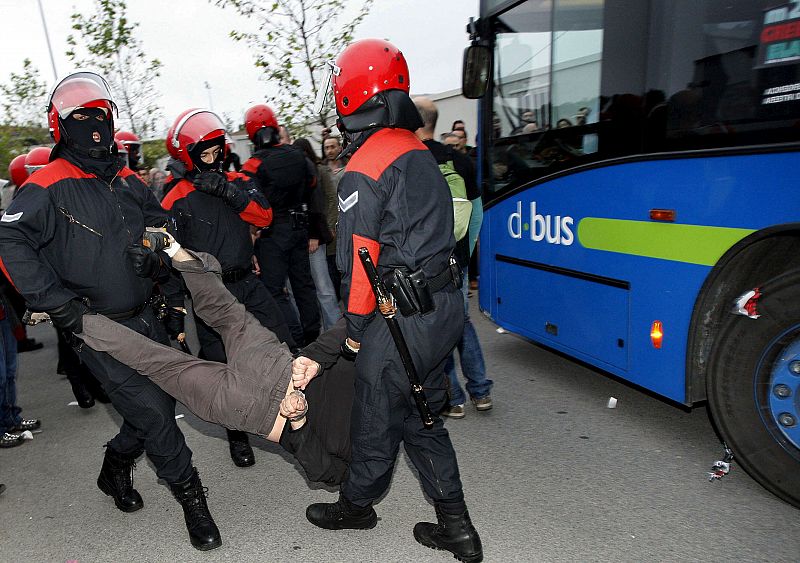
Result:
{"points": [[388, 311]]}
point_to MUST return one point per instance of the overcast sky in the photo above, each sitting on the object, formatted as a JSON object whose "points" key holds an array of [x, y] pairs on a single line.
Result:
{"points": [[190, 37]]}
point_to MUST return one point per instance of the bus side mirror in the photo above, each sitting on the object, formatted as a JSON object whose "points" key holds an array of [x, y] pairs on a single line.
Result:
{"points": [[475, 77]]}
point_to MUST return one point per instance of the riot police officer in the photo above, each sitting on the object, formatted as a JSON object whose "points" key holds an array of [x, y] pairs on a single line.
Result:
{"points": [[71, 242], [286, 178], [212, 212], [394, 201], [133, 147]]}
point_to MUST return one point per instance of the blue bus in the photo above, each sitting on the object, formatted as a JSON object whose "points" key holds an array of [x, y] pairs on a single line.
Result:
{"points": [[640, 163]]}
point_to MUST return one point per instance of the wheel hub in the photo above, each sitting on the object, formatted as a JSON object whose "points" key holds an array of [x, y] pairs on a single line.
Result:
{"points": [[783, 400]]}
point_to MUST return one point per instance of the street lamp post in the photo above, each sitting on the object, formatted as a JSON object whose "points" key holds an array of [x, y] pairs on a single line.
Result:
{"points": [[47, 37]]}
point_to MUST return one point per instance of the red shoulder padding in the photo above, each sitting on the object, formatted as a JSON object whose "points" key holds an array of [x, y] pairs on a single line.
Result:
{"points": [[381, 150], [251, 165], [125, 172], [256, 215], [57, 170], [362, 299], [181, 190]]}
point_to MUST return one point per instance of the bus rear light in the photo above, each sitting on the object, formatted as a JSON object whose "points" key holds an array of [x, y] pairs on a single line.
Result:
{"points": [[656, 334], [662, 215]]}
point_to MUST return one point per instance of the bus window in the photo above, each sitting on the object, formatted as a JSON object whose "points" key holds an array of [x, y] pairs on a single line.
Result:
{"points": [[522, 69], [577, 55], [713, 75], [546, 101]]}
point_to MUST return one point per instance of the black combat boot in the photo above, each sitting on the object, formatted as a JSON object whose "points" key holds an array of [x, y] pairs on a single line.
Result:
{"points": [[341, 515], [116, 480], [454, 533], [203, 532], [241, 452]]}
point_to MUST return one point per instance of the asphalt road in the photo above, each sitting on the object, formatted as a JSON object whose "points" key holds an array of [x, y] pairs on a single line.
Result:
{"points": [[550, 474]]}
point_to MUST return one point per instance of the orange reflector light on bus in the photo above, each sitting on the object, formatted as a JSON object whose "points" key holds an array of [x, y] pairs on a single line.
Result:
{"points": [[662, 215], [656, 334]]}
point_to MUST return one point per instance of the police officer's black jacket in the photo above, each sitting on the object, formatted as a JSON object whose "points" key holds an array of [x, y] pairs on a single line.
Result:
{"points": [[206, 223], [65, 236], [284, 175], [394, 200]]}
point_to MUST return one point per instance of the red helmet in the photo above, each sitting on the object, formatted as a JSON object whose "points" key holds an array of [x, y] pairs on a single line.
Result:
{"points": [[122, 151], [365, 68], [126, 138], [258, 117], [36, 159], [16, 169], [192, 126], [82, 89]]}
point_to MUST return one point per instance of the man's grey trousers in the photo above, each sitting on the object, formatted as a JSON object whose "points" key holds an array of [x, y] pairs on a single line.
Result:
{"points": [[245, 393]]}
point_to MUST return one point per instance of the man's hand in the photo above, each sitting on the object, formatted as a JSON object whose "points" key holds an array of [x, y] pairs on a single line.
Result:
{"points": [[303, 371], [294, 407], [174, 321], [69, 317], [256, 267], [146, 263], [313, 245], [211, 183]]}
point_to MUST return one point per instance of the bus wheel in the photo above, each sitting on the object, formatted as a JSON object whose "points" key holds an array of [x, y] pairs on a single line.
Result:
{"points": [[754, 387]]}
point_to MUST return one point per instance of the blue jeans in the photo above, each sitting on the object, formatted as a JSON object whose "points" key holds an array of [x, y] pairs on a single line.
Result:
{"points": [[472, 364], [326, 294], [9, 411]]}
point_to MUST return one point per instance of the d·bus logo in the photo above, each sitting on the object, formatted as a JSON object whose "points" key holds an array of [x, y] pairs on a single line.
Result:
{"points": [[552, 229]]}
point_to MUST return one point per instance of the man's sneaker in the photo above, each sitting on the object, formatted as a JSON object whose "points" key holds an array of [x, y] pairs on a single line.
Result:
{"points": [[8, 440], [483, 404], [28, 424], [454, 411]]}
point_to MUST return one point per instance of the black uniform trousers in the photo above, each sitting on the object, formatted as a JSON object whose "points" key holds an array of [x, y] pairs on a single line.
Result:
{"points": [[384, 411], [148, 412], [77, 372], [283, 251], [251, 293]]}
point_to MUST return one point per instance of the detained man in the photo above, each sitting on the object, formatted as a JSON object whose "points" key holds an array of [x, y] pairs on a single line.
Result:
{"points": [[255, 391]]}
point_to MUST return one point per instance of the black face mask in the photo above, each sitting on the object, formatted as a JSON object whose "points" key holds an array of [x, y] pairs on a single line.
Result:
{"points": [[197, 150], [91, 136], [133, 156]]}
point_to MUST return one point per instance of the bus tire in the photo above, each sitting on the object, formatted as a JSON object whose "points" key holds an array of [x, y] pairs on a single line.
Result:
{"points": [[750, 360]]}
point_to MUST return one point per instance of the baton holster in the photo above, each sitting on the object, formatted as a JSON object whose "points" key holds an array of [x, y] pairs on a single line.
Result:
{"points": [[410, 291], [413, 292], [299, 217]]}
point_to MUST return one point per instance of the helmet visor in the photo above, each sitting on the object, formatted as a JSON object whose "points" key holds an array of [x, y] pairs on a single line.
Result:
{"points": [[197, 126], [78, 90], [330, 70]]}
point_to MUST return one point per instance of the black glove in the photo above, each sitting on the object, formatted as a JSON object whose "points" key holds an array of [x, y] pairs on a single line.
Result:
{"points": [[146, 263], [211, 183], [69, 317], [217, 185], [173, 321]]}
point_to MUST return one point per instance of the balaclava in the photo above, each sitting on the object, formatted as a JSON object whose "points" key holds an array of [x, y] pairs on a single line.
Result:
{"points": [[87, 142], [199, 147]]}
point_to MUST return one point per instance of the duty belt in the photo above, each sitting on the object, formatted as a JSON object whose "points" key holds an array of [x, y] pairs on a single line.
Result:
{"points": [[125, 315], [440, 281], [413, 292], [232, 276]]}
